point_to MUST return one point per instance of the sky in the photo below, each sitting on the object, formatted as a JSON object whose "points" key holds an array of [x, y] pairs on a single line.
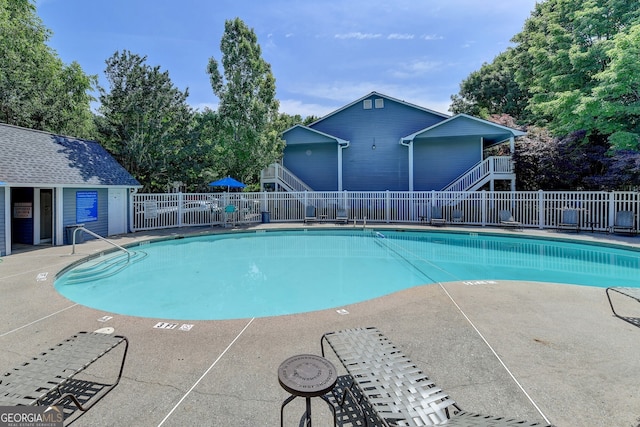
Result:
{"points": [[324, 54]]}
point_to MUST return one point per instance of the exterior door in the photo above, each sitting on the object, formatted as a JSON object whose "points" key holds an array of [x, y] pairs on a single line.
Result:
{"points": [[117, 210], [46, 215]]}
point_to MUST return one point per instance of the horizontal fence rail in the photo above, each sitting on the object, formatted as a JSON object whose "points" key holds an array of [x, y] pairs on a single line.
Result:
{"points": [[594, 211]]}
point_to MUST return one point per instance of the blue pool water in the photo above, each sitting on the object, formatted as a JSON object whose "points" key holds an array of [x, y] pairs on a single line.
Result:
{"points": [[243, 275]]}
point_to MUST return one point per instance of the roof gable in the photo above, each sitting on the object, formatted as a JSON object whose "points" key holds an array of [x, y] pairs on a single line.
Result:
{"points": [[32, 157], [379, 95], [465, 125], [300, 134]]}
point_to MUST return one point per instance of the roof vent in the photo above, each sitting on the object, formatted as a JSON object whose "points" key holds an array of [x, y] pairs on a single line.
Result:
{"points": [[367, 104]]}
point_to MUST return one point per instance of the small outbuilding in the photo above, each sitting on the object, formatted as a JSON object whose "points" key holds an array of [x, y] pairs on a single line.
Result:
{"points": [[50, 183]]}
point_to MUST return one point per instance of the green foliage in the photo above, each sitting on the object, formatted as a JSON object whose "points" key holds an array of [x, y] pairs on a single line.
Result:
{"points": [[145, 122], [248, 136], [37, 90], [491, 90], [575, 65], [615, 104]]}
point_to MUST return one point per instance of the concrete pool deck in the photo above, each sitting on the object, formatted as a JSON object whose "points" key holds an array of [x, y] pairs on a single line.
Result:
{"points": [[526, 350]]}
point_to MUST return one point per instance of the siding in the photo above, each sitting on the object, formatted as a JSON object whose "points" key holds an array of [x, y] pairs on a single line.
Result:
{"points": [[438, 161], [386, 167], [466, 126], [299, 135], [101, 226], [315, 164]]}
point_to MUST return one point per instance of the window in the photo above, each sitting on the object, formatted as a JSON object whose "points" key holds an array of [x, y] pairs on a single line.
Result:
{"points": [[379, 103], [366, 104]]}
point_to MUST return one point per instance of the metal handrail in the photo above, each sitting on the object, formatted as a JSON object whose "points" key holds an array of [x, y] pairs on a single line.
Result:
{"points": [[73, 251]]}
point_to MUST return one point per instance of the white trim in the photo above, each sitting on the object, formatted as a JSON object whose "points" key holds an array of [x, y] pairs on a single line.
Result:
{"points": [[58, 228], [409, 144], [36, 216], [7, 220], [514, 132], [340, 148]]}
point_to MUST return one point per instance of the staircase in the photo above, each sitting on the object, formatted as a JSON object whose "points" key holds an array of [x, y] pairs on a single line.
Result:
{"points": [[283, 178], [492, 168], [103, 266]]}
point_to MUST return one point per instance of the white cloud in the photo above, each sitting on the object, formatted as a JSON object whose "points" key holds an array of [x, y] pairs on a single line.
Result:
{"points": [[358, 35], [396, 36], [295, 106], [430, 37], [339, 94], [416, 69]]}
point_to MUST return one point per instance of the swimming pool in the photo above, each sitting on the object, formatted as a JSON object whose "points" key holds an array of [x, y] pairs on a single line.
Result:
{"points": [[257, 274]]}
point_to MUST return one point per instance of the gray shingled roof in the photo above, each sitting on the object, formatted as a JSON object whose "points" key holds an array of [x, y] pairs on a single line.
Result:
{"points": [[39, 158]]}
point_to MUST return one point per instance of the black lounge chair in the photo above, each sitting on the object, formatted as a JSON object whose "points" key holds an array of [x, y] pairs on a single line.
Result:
{"points": [[397, 391], [633, 293], [52, 377]]}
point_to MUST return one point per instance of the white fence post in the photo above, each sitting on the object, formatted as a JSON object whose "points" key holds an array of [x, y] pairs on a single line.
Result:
{"points": [[483, 220], [387, 210], [612, 209], [180, 207], [540, 209]]}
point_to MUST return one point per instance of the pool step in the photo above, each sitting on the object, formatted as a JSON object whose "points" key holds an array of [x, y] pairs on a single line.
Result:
{"points": [[103, 267]]}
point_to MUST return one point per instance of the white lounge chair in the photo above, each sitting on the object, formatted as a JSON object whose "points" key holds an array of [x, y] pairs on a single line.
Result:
{"points": [[437, 218], [341, 215], [310, 214], [569, 220], [624, 222], [506, 219]]}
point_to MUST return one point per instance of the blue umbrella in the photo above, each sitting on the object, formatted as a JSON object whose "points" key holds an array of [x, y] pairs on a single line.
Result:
{"points": [[227, 182]]}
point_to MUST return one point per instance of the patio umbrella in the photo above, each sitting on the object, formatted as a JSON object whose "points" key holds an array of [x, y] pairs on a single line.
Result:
{"points": [[227, 182]]}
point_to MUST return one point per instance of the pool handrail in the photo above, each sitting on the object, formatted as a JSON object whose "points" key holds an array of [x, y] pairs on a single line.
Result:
{"points": [[97, 236]]}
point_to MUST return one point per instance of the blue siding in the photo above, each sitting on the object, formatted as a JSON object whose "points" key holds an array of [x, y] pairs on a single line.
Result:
{"points": [[101, 226], [386, 167], [466, 126], [438, 161], [298, 135], [315, 164], [3, 231]]}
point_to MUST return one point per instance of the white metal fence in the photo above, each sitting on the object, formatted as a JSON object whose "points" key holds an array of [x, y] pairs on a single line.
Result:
{"points": [[534, 209]]}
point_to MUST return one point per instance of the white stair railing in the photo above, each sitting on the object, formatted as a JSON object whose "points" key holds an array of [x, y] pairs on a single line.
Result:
{"points": [[285, 178], [491, 165]]}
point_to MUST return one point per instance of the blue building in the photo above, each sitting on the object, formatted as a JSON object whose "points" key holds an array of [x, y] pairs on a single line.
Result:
{"points": [[49, 182], [379, 143]]}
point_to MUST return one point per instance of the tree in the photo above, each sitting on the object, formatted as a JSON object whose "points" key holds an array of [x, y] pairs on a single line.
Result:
{"points": [[36, 89], [561, 51], [145, 122], [615, 104], [248, 139], [492, 90]]}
